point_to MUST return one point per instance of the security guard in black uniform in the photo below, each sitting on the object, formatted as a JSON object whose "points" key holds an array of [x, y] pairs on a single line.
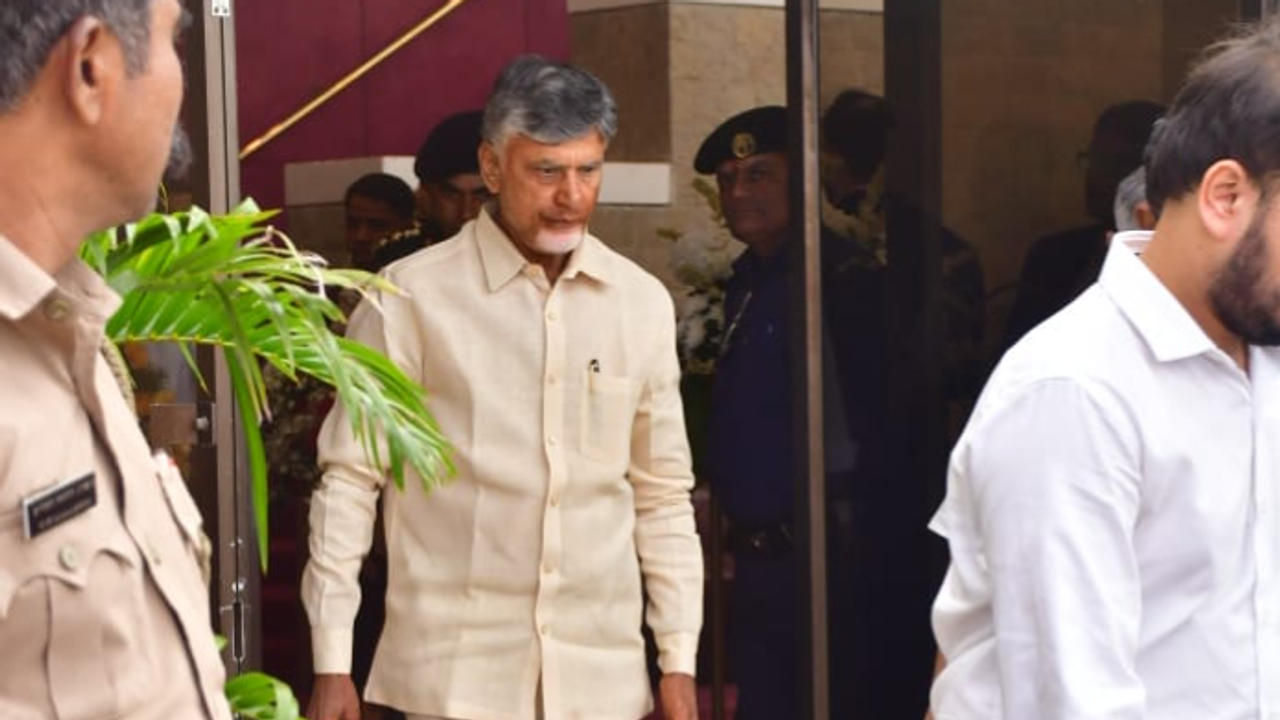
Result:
{"points": [[450, 191], [751, 446]]}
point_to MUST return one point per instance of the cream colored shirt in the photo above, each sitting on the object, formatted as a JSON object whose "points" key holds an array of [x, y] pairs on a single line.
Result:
{"points": [[105, 615], [562, 403]]}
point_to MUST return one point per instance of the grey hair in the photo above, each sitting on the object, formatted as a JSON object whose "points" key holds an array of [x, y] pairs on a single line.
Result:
{"points": [[1131, 191], [30, 28], [548, 101]]}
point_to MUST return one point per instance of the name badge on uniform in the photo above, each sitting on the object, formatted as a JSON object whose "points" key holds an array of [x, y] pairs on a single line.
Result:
{"points": [[49, 508]]}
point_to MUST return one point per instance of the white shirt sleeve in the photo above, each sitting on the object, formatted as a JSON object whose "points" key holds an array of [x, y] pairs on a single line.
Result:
{"points": [[1054, 474]]}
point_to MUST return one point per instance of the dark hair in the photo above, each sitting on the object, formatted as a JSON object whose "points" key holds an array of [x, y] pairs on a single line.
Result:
{"points": [[30, 28], [856, 125], [450, 148], [550, 102], [384, 188], [1229, 108], [1129, 125]]}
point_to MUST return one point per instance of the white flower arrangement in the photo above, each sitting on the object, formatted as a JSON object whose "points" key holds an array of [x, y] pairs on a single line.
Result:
{"points": [[702, 263]]}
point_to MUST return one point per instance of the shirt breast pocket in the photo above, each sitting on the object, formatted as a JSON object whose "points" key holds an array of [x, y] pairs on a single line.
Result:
{"points": [[69, 621], [608, 411]]}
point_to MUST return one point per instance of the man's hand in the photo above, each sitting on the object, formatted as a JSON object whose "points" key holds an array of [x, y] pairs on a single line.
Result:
{"points": [[333, 697], [679, 697]]}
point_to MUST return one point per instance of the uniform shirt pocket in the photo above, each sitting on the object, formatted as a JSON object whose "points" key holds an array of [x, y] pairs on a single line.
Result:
{"points": [[69, 609], [607, 413]]}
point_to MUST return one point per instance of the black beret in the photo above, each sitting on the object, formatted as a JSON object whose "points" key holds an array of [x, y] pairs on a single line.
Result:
{"points": [[758, 130], [451, 148]]}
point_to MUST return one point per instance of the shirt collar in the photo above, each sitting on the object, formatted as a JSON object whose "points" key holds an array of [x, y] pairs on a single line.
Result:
{"points": [[502, 261], [25, 285], [1164, 324]]}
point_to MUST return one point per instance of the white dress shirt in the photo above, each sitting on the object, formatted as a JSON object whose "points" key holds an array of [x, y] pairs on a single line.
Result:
{"points": [[1110, 511], [562, 403]]}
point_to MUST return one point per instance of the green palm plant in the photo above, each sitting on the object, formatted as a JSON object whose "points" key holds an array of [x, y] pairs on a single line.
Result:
{"points": [[232, 282], [235, 283]]}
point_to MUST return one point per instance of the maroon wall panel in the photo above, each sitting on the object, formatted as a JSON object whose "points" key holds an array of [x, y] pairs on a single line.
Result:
{"points": [[290, 50]]}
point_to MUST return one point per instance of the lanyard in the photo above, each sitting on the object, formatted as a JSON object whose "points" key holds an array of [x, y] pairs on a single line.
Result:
{"points": [[733, 324]]}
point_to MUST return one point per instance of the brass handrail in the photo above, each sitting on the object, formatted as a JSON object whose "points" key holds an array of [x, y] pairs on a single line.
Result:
{"points": [[257, 143]]}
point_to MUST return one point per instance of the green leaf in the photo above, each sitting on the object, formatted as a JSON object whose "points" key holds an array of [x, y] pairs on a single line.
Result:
{"points": [[232, 282], [257, 456], [259, 696]]}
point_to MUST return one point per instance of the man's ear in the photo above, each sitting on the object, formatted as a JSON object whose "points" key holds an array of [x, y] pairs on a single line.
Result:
{"points": [[1145, 216], [1226, 200], [95, 64], [490, 167]]}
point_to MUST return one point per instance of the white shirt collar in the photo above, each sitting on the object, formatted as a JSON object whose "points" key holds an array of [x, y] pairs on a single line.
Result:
{"points": [[1164, 324]]}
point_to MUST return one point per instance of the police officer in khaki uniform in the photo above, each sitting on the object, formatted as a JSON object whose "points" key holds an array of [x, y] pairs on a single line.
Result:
{"points": [[103, 607]]}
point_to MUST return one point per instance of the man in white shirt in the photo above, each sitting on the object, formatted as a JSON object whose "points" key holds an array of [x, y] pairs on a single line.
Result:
{"points": [[1111, 505], [514, 591]]}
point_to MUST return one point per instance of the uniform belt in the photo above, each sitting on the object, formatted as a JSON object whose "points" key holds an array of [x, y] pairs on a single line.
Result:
{"points": [[762, 540]]}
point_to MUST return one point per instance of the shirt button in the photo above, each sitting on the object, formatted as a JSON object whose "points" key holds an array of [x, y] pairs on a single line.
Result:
{"points": [[155, 554], [551, 316], [551, 379], [555, 501], [544, 630], [530, 271], [69, 558], [57, 309], [551, 440], [548, 568]]}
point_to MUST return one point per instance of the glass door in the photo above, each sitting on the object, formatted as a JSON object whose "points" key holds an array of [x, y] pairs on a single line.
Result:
{"points": [[969, 153], [197, 424]]}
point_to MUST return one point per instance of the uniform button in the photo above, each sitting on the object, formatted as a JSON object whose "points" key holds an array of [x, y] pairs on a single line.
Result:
{"points": [[57, 309], [551, 440], [551, 315], [69, 558]]}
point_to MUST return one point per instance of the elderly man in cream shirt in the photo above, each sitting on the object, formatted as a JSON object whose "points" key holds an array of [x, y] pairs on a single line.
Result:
{"points": [[516, 591]]}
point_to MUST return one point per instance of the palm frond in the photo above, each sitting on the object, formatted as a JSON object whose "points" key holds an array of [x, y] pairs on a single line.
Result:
{"points": [[232, 282], [259, 696]]}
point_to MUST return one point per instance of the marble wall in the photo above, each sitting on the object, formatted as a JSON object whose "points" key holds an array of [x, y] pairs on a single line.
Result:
{"points": [[628, 48]]}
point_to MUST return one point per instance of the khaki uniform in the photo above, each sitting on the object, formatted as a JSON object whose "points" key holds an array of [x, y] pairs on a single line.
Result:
{"points": [[523, 574], [105, 614]]}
